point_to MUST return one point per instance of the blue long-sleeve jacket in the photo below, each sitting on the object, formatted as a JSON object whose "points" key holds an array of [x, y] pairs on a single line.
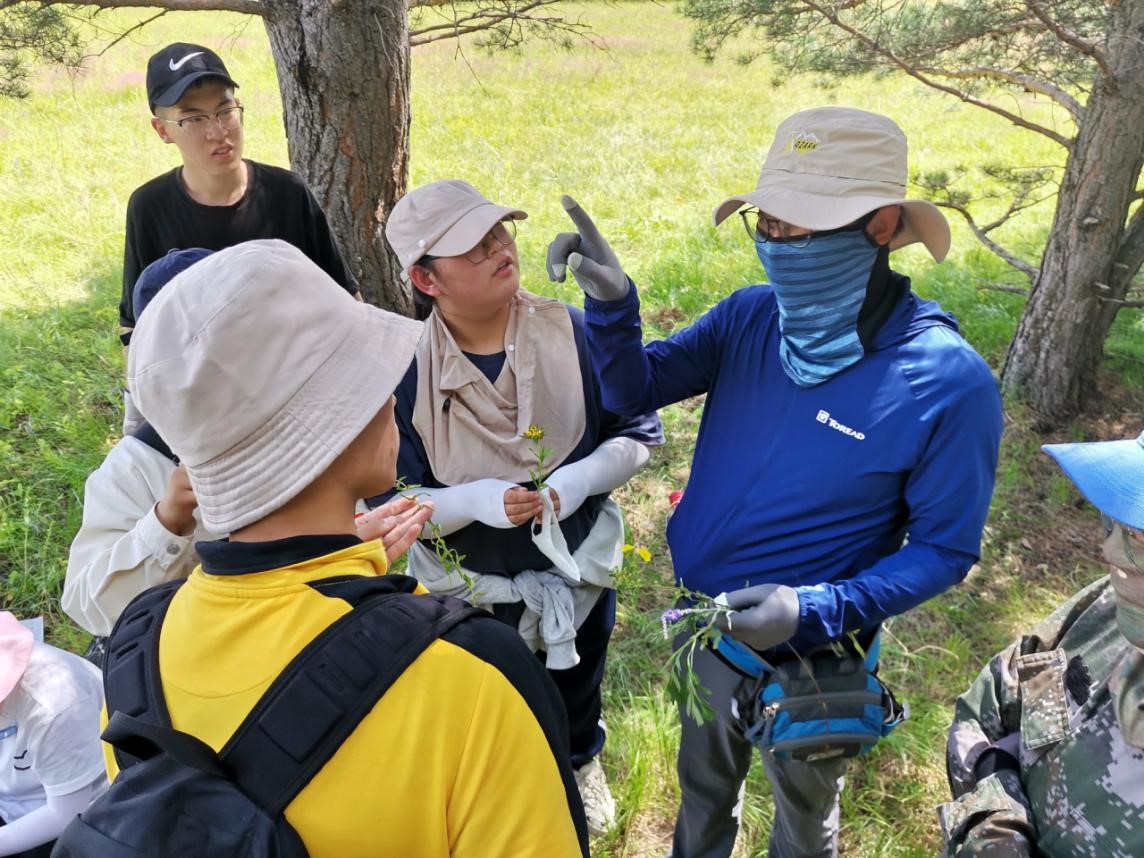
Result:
{"points": [[816, 487]]}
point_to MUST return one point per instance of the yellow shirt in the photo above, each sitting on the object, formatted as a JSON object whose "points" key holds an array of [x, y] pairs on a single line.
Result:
{"points": [[451, 761]]}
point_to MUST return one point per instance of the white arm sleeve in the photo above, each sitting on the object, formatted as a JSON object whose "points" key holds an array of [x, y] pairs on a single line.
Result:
{"points": [[45, 823], [457, 506], [607, 467], [121, 548]]}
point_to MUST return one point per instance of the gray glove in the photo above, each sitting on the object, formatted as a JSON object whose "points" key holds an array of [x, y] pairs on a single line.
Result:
{"points": [[585, 251], [765, 615]]}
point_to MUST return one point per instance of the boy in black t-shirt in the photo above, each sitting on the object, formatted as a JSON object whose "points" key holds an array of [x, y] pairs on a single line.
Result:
{"points": [[216, 199]]}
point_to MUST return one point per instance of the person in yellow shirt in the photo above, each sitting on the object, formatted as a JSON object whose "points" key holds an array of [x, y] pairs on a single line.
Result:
{"points": [[274, 387]]}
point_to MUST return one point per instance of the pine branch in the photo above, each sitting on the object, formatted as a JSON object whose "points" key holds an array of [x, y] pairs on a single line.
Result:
{"points": [[247, 7], [1005, 287], [484, 18], [913, 71], [459, 24], [121, 36], [982, 234], [1027, 82], [1130, 254], [1120, 303], [1075, 40]]}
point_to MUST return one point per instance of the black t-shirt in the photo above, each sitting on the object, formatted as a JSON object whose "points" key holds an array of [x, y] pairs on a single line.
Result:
{"points": [[161, 216]]}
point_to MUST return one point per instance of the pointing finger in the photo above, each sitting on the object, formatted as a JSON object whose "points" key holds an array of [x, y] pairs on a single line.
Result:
{"points": [[584, 224]]}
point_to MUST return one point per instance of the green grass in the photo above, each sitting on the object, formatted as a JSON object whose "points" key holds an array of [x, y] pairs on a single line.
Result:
{"points": [[649, 139]]}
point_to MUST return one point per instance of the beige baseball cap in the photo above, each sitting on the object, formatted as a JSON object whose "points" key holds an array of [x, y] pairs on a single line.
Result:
{"points": [[258, 370], [828, 166], [442, 219]]}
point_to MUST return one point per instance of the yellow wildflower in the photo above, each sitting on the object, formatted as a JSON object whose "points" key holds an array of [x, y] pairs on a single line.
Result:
{"points": [[644, 554], [533, 433]]}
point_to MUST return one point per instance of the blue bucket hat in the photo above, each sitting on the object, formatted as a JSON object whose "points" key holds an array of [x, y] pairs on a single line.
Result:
{"points": [[156, 275], [1109, 473]]}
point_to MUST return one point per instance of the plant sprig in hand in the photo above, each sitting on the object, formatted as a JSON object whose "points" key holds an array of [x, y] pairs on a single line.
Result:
{"points": [[683, 685], [449, 558], [535, 434]]}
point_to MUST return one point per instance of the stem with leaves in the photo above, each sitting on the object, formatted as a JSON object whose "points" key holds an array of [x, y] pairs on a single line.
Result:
{"points": [[683, 685], [450, 559], [535, 434]]}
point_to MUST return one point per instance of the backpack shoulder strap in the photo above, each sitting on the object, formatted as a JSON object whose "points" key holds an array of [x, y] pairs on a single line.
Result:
{"points": [[146, 433], [328, 688], [131, 682]]}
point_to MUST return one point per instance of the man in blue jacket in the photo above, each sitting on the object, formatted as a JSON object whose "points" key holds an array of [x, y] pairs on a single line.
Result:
{"points": [[846, 456]]}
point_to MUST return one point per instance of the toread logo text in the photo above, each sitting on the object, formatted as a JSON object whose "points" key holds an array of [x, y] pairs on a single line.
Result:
{"points": [[824, 417], [175, 66]]}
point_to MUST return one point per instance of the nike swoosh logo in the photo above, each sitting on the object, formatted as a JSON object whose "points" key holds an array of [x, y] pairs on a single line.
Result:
{"points": [[175, 66]]}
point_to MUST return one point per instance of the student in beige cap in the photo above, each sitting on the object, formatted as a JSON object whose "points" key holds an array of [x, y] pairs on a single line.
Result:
{"points": [[51, 762], [495, 363], [275, 388], [844, 415]]}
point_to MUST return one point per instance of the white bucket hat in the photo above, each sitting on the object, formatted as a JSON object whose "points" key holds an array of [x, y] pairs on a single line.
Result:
{"points": [[829, 166], [16, 642], [442, 219], [259, 370]]}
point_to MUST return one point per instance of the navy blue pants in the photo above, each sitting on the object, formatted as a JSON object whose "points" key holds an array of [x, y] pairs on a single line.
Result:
{"points": [[580, 686]]}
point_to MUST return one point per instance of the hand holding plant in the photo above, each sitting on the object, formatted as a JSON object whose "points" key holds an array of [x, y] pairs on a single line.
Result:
{"points": [[449, 558], [699, 622]]}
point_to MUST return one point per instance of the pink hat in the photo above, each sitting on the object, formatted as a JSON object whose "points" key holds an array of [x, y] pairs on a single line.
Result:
{"points": [[15, 650]]}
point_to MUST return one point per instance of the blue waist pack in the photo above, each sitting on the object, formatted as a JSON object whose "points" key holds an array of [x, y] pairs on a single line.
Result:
{"points": [[823, 705]]}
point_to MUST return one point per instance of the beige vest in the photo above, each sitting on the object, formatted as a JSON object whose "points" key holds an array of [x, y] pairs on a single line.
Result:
{"points": [[472, 428]]}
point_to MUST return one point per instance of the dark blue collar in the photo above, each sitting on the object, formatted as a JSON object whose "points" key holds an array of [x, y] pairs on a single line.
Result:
{"points": [[223, 557]]}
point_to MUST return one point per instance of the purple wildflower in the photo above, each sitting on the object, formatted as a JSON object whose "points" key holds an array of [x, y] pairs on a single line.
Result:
{"points": [[672, 616]]}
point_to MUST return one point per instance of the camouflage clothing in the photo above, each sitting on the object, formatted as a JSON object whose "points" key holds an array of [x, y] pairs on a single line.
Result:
{"points": [[1037, 759]]}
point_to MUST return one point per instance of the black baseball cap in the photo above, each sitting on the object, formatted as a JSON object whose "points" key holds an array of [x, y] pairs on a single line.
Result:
{"points": [[176, 67]]}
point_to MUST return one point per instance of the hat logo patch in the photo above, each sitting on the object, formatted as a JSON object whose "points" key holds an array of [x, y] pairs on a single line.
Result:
{"points": [[803, 142], [175, 66]]}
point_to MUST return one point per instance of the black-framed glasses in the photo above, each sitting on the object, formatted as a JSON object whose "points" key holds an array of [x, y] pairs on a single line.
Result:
{"points": [[501, 235], [229, 118], [762, 228]]}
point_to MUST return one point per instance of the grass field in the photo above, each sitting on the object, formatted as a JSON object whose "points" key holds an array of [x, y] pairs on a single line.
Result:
{"points": [[649, 139]]}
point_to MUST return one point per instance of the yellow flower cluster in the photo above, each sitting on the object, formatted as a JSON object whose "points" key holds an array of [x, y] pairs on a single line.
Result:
{"points": [[641, 552], [533, 433]]}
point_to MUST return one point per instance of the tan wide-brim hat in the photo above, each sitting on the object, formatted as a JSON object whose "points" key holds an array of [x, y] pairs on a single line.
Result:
{"points": [[16, 642], [258, 370], [829, 166], [443, 218]]}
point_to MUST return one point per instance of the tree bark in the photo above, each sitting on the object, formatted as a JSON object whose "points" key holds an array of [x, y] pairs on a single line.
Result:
{"points": [[343, 72], [1059, 342]]}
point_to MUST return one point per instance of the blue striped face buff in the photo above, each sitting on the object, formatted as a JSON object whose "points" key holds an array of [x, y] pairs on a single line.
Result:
{"points": [[819, 289]]}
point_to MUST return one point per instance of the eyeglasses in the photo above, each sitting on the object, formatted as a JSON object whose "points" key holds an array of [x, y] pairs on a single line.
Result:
{"points": [[229, 118], [1128, 534], [762, 228], [501, 235]]}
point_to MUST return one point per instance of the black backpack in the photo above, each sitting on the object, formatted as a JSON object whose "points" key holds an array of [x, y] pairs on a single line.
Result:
{"points": [[176, 797]]}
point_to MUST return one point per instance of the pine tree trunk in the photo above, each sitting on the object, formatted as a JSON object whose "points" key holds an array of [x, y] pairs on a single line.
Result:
{"points": [[1058, 346], [343, 71]]}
